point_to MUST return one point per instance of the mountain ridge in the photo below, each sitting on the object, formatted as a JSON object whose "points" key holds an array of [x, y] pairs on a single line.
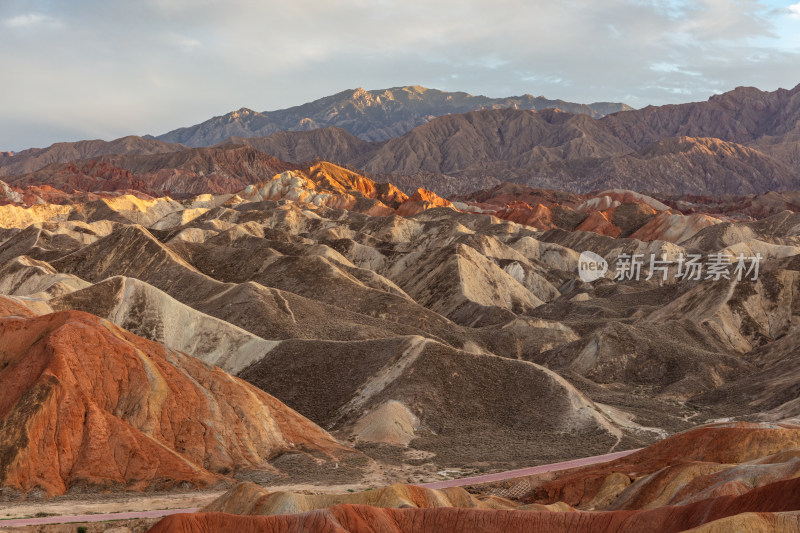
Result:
{"points": [[756, 148], [374, 115], [745, 141], [35, 158]]}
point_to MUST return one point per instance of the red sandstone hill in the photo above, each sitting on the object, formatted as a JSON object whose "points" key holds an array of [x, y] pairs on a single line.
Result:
{"points": [[254, 176], [619, 212], [615, 212], [86, 404], [413, 335], [689, 453], [773, 508], [325, 184], [45, 194], [735, 477], [226, 169]]}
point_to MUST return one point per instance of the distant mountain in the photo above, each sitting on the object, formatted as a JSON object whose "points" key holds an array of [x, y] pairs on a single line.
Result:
{"points": [[35, 158], [743, 115], [330, 144], [370, 115], [742, 142], [513, 142], [508, 144], [745, 141], [187, 172], [695, 165]]}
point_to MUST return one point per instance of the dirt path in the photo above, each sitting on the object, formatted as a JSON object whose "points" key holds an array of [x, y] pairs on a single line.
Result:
{"points": [[510, 474], [24, 522]]}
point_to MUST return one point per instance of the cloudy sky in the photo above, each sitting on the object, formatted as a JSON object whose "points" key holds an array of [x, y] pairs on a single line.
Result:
{"points": [[83, 69]]}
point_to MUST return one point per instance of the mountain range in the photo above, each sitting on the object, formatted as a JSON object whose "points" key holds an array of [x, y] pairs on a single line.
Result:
{"points": [[370, 115], [742, 142]]}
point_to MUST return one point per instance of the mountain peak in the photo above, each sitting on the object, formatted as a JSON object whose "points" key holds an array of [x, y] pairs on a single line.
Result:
{"points": [[242, 112], [738, 92]]}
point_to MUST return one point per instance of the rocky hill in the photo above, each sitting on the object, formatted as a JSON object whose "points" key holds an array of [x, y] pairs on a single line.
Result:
{"points": [[613, 212], [35, 158], [408, 325], [316, 327], [184, 173], [177, 318], [90, 406], [743, 115]]}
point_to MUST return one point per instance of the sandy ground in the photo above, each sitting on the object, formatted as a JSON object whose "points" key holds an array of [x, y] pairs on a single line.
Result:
{"points": [[82, 504], [116, 526], [111, 504], [120, 503]]}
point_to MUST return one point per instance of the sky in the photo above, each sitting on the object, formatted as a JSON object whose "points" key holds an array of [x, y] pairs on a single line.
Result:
{"points": [[87, 69]]}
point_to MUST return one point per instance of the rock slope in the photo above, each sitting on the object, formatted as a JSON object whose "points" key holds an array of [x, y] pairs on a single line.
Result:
{"points": [[88, 405]]}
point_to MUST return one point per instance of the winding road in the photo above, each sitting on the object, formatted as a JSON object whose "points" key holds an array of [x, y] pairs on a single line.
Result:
{"points": [[474, 480]]}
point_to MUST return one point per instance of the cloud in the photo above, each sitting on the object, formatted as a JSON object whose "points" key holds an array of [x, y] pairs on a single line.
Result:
{"points": [[187, 44], [29, 20], [794, 10], [151, 66], [715, 20]]}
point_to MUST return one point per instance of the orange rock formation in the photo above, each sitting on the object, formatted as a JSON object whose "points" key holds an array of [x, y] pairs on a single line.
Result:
{"points": [[86, 403]]}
